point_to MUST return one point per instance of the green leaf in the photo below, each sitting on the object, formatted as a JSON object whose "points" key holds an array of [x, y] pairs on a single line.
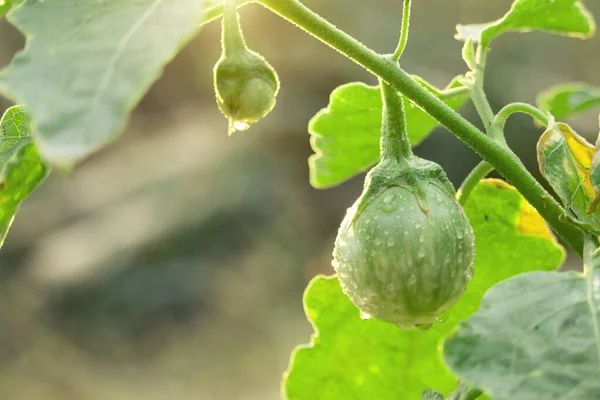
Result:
{"points": [[351, 358], [22, 169], [567, 99], [563, 17], [5, 5], [345, 135], [565, 160], [87, 64], [535, 336]]}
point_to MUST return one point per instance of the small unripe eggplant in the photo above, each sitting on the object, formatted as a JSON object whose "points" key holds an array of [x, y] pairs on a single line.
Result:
{"points": [[246, 87], [404, 252]]}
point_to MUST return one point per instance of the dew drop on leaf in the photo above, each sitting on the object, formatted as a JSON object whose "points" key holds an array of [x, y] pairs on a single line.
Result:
{"points": [[469, 273], [443, 316], [412, 280]]}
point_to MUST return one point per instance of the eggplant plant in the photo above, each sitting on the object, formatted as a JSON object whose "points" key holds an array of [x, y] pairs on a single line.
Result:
{"points": [[439, 294]]}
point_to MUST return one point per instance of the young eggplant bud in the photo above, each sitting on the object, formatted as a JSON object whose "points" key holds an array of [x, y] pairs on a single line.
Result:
{"points": [[245, 86], [404, 252]]}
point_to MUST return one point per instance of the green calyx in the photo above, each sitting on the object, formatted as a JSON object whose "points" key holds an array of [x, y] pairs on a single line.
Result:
{"points": [[245, 83], [404, 252]]}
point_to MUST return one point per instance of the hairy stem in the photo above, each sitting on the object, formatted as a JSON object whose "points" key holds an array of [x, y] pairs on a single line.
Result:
{"points": [[480, 100], [508, 110], [477, 174], [404, 30], [454, 92], [591, 270], [503, 160], [394, 138], [216, 11], [474, 394], [232, 38]]}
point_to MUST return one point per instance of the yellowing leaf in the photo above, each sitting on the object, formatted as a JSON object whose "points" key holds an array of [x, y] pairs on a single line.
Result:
{"points": [[565, 160]]}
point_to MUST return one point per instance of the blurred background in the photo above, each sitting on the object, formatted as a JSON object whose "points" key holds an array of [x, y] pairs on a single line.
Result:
{"points": [[172, 263]]}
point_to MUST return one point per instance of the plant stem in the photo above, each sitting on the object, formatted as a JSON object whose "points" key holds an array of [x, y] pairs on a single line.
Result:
{"points": [[394, 138], [232, 39], [479, 98], [454, 92], [477, 174], [404, 30], [508, 110], [214, 12], [591, 270], [473, 394], [503, 160]]}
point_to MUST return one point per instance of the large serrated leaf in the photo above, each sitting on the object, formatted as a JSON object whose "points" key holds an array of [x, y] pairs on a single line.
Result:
{"points": [[345, 135], [535, 336], [351, 358], [21, 168], [563, 17], [87, 64], [567, 99]]}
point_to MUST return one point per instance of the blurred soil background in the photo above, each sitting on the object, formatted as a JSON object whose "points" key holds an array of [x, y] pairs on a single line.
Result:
{"points": [[171, 264]]}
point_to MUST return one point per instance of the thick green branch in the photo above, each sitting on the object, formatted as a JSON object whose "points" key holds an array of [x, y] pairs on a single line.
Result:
{"points": [[503, 160]]}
